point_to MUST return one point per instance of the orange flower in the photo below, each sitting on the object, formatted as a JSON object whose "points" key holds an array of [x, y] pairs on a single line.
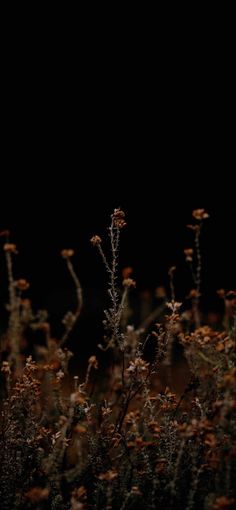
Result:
{"points": [[188, 252], [210, 440], [118, 218], [95, 240], [22, 284], [128, 282], [223, 502], [37, 494], [126, 272], [66, 254], [194, 293], [109, 476], [93, 362], [200, 214], [9, 247]]}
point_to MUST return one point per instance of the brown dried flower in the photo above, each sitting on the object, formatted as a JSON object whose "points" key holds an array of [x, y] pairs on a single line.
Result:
{"points": [[223, 502], [37, 494], [126, 272], [200, 214], [128, 282], [109, 476], [67, 253], [188, 252], [221, 293], [5, 367], [118, 218], [9, 247], [193, 294], [93, 362], [22, 284], [95, 240]]}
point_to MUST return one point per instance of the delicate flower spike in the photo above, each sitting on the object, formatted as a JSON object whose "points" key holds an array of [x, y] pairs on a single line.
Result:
{"points": [[67, 254], [95, 240], [200, 214], [118, 218]]}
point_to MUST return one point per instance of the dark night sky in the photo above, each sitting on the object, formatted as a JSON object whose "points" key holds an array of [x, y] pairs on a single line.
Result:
{"points": [[60, 184], [45, 217]]}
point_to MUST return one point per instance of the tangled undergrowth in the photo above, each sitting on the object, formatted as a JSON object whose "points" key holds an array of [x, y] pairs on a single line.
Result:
{"points": [[119, 439]]}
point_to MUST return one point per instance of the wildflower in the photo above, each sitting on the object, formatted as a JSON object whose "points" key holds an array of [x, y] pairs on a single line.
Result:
{"points": [[188, 252], [138, 364], [95, 240], [80, 429], [193, 294], [128, 282], [160, 292], [118, 218], [221, 293], [126, 272], [6, 368], [200, 214], [135, 491], [174, 306], [109, 476], [60, 375], [10, 248], [22, 284], [93, 362], [106, 411], [67, 254], [37, 494], [4, 233], [223, 502], [210, 440]]}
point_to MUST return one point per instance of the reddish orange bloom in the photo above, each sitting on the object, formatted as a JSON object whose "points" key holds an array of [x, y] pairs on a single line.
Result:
{"points": [[200, 214]]}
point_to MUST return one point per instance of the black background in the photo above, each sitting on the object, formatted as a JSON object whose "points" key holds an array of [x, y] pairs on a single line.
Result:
{"points": [[70, 157]]}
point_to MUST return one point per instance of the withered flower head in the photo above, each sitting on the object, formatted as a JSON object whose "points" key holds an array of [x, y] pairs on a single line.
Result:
{"points": [[221, 293], [135, 490], [223, 502], [95, 240], [66, 254], [22, 284], [5, 233], [160, 292], [188, 252], [93, 362], [37, 494], [108, 476], [126, 272], [9, 247], [200, 214], [5, 367], [128, 282], [118, 218], [194, 293]]}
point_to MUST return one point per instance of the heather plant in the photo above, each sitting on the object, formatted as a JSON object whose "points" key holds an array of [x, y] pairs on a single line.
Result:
{"points": [[122, 437]]}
